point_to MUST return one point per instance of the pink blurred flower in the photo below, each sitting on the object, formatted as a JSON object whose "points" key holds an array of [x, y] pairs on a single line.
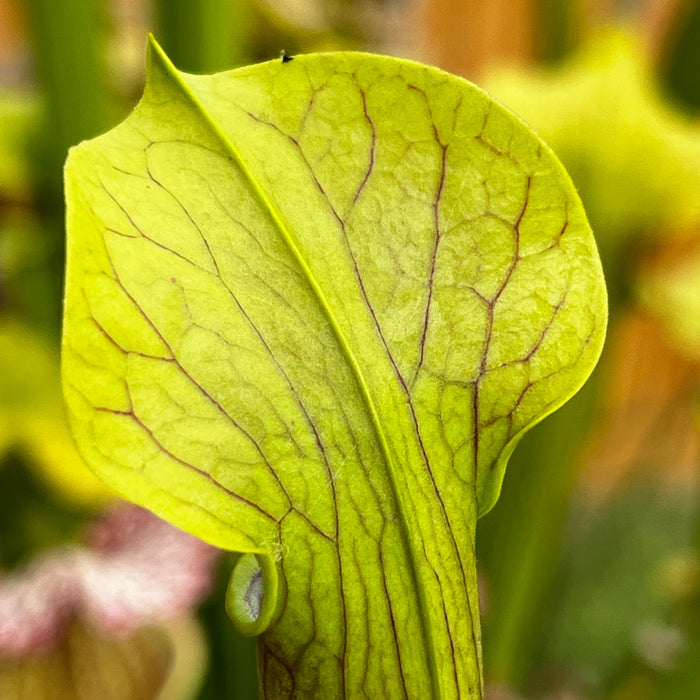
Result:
{"points": [[134, 570]]}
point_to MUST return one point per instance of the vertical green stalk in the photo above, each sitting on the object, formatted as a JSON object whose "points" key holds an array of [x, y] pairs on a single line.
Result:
{"points": [[68, 50], [681, 71], [68, 47], [232, 657], [519, 541], [558, 23], [203, 37]]}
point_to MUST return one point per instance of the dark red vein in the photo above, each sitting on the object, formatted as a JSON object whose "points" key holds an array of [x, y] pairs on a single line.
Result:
{"points": [[491, 303], [394, 631], [372, 148], [132, 414], [433, 261]]}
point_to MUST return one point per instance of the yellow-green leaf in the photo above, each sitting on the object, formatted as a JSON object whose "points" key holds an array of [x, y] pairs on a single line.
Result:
{"points": [[311, 306]]}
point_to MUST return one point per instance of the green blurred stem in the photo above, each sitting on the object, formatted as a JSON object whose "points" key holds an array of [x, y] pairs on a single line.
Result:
{"points": [[68, 43], [69, 52], [232, 667], [519, 541], [681, 70], [203, 37], [558, 21]]}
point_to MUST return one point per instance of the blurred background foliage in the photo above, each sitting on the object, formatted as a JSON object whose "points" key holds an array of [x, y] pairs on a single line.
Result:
{"points": [[589, 563]]}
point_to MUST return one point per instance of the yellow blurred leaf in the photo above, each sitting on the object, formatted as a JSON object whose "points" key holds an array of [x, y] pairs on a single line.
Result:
{"points": [[190, 659], [87, 666], [633, 157], [32, 418], [670, 288], [18, 116]]}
